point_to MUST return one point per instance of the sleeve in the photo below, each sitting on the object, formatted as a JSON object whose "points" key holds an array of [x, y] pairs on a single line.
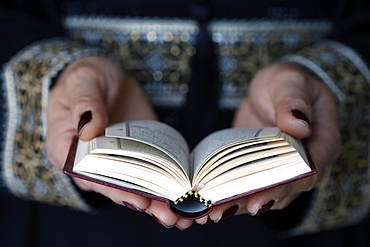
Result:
{"points": [[342, 63], [32, 61]]}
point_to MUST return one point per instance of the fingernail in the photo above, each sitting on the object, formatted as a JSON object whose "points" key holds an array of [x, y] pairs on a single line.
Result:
{"points": [[299, 115], [266, 207], [84, 119], [161, 223], [132, 207], [230, 212]]}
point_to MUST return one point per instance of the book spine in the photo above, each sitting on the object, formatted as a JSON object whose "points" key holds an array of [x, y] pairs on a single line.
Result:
{"points": [[195, 194]]}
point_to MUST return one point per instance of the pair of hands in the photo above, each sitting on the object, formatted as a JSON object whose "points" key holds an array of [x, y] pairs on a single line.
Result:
{"points": [[281, 95]]}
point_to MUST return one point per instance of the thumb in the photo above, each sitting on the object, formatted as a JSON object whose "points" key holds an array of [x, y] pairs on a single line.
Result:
{"points": [[293, 117], [293, 107], [82, 90], [89, 111]]}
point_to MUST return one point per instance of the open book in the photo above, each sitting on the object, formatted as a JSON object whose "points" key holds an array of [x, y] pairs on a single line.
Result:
{"points": [[152, 159]]}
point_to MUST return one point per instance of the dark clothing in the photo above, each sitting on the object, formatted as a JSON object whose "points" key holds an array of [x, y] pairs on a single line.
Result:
{"points": [[25, 223], [218, 46]]}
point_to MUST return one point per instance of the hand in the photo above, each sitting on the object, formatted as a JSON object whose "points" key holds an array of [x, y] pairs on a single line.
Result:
{"points": [[286, 96], [89, 94]]}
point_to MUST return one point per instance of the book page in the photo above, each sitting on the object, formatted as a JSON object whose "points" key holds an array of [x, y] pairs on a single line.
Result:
{"points": [[297, 144], [126, 148], [273, 172], [222, 139], [157, 134], [220, 162], [123, 170]]}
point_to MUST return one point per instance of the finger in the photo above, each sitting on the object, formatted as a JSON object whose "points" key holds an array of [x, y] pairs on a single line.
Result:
{"points": [[202, 221], [281, 196], [88, 108], [293, 111], [118, 196], [59, 127], [222, 212], [162, 214], [183, 224], [84, 87]]}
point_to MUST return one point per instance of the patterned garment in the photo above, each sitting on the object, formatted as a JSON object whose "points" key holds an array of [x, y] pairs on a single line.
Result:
{"points": [[159, 53]]}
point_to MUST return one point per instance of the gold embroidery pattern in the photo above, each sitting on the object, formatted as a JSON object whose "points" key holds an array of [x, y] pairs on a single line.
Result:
{"points": [[244, 47], [27, 172], [156, 52], [344, 196]]}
